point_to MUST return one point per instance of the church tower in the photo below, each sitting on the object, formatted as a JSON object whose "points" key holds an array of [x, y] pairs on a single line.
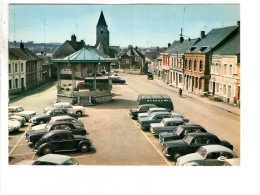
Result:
{"points": [[102, 33]]}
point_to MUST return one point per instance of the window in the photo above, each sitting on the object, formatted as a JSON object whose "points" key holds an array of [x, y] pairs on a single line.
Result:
{"points": [[230, 70], [136, 59], [195, 65], [15, 67], [55, 138], [9, 69], [16, 83], [217, 87], [224, 89], [123, 61], [189, 64], [127, 61], [198, 141], [66, 136], [185, 64], [213, 155], [180, 78], [201, 64], [10, 84], [21, 67], [225, 69]]}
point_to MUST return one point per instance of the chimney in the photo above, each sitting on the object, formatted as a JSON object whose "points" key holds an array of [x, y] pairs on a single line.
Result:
{"points": [[21, 45], [238, 23], [136, 47], [202, 34], [73, 38], [169, 45], [181, 38]]}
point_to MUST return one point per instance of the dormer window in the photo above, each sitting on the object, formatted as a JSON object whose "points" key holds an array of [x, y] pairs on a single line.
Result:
{"points": [[192, 48], [203, 48]]}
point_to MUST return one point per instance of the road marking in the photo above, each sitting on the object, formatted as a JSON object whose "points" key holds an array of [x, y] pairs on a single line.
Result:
{"points": [[19, 145], [33, 155], [22, 154], [19, 140], [164, 158]]}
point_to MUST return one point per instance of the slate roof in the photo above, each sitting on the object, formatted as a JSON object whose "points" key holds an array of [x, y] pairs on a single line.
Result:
{"points": [[102, 21], [68, 48], [179, 47], [135, 52], [213, 39], [23, 54], [232, 47], [85, 55]]}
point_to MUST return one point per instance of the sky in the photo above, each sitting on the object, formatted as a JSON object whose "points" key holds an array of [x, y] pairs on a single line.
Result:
{"points": [[137, 25]]}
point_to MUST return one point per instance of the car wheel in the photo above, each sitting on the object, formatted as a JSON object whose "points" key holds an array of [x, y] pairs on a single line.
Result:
{"points": [[47, 150], [176, 155], [41, 122], [79, 113], [84, 148]]}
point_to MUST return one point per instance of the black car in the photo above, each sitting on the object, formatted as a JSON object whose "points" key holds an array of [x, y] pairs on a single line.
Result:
{"points": [[141, 109], [117, 80], [190, 143], [180, 132], [33, 136], [44, 118], [62, 140]]}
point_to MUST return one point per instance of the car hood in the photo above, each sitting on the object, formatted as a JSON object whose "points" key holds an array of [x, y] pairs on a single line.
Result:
{"points": [[189, 157], [14, 123], [78, 107], [38, 127], [143, 115], [27, 112], [38, 132], [134, 109], [40, 116], [16, 117], [165, 134], [154, 125], [175, 143]]}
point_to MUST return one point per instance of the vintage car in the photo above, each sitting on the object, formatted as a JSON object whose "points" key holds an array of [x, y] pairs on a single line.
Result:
{"points": [[33, 136], [18, 110], [66, 118], [44, 118], [206, 156], [13, 125], [180, 132], [50, 159], [150, 111], [61, 140], [117, 80], [78, 110], [16, 117], [166, 125], [190, 143], [141, 109], [155, 117]]}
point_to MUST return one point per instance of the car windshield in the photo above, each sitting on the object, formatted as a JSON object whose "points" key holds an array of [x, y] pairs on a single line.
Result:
{"points": [[178, 131], [47, 127], [20, 109], [202, 151], [187, 139]]}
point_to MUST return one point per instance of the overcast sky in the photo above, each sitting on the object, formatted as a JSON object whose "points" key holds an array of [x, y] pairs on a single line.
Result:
{"points": [[138, 25]]}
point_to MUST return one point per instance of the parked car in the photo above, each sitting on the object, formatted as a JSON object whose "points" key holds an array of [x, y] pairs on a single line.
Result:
{"points": [[18, 110], [50, 159], [141, 109], [166, 125], [206, 156], [18, 118], [150, 76], [160, 100], [64, 118], [62, 140], [78, 110], [190, 143], [44, 118], [150, 111], [155, 117], [33, 136], [13, 125], [180, 132], [117, 80]]}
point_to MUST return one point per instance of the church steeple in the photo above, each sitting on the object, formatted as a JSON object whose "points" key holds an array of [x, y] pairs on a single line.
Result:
{"points": [[102, 33], [102, 21]]}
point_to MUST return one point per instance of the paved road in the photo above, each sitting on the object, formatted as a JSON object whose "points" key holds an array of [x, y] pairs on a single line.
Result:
{"points": [[116, 137]]}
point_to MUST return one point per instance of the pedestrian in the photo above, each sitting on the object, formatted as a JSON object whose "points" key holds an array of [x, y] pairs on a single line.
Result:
{"points": [[180, 92]]}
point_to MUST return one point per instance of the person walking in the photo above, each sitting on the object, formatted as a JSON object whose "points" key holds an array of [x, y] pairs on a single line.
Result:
{"points": [[180, 92]]}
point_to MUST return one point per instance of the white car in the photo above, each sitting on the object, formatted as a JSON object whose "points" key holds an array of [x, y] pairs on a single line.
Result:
{"points": [[78, 110], [16, 117], [13, 125], [18, 110]]}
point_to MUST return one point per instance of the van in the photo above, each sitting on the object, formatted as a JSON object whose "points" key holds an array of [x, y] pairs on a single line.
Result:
{"points": [[160, 100]]}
